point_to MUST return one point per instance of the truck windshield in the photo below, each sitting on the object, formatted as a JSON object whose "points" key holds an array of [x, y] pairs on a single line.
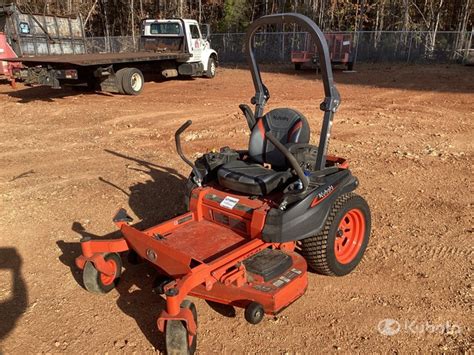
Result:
{"points": [[171, 28]]}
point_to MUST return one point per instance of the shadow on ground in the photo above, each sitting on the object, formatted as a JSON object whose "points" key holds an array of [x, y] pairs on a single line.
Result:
{"points": [[158, 199], [16, 301], [48, 94], [135, 289]]}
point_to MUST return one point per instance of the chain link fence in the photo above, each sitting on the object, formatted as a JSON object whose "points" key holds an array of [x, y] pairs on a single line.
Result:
{"points": [[276, 47], [410, 47]]}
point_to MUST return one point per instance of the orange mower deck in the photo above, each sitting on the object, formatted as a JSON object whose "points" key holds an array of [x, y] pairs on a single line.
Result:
{"points": [[204, 256]]}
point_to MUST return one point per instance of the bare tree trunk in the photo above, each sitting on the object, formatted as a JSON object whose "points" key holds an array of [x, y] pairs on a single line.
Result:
{"points": [[321, 14], [132, 13], [90, 12], [314, 10], [379, 23], [406, 15], [464, 17], [199, 10], [106, 25], [356, 17], [435, 27]]}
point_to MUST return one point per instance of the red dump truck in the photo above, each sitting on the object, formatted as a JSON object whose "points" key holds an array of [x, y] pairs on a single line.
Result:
{"points": [[6, 52]]}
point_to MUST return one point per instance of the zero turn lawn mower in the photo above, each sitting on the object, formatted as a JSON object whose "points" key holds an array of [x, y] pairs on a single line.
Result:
{"points": [[257, 218]]}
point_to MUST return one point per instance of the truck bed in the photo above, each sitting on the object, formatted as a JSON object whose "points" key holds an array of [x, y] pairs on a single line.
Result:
{"points": [[101, 58]]}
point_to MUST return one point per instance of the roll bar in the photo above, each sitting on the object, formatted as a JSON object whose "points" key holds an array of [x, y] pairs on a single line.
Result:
{"points": [[332, 98]]}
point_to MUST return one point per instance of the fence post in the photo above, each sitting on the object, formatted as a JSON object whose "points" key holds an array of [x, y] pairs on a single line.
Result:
{"points": [[468, 46], [282, 54], [409, 47]]}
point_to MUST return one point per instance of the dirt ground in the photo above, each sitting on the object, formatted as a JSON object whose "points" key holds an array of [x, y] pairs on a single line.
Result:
{"points": [[69, 159]]}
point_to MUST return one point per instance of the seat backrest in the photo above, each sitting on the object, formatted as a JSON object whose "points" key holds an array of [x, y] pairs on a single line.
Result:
{"points": [[287, 125]]}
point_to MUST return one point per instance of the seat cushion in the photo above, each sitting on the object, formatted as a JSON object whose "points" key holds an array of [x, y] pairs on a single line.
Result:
{"points": [[287, 126], [252, 179]]}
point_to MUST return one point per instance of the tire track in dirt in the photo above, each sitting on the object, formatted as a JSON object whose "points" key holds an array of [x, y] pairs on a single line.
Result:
{"points": [[432, 252]]}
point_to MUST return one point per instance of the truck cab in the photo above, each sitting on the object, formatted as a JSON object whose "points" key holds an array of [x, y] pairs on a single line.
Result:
{"points": [[181, 35]]}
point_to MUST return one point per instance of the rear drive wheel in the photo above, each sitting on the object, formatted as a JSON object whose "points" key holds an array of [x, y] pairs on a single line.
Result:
{"points": [[132, 81], [340, 245], [176, 334], [211, 68], [97, 282]]}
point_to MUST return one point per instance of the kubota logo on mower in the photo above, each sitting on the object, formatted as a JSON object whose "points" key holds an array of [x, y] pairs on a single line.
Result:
{"points": [[322, 195]]}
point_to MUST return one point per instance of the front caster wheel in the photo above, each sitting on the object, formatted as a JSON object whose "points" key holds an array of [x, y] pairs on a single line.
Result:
{"points": [[97, 282], [254, 313], [176, 334]]}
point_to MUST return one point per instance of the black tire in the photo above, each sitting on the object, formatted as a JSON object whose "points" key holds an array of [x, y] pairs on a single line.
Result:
{"points": [[211, 68], [297, 66], [119, 79], [254, 313], [94, 281], [132, 81], [176, 334], [350, 66], [319, 251]]}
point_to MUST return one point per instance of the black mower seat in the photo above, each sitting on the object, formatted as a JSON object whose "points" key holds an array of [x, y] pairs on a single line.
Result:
{"points": [[250, 177]]}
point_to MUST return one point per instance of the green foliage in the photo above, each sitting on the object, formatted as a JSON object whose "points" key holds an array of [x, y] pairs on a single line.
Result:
{"points": [[236, 16]]}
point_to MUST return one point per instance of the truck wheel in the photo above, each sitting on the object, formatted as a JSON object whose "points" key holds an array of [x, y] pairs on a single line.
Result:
{"points": [[132, 81], [350, 66], [119, 74], [297, 66], [338, 248], [211, 68]]}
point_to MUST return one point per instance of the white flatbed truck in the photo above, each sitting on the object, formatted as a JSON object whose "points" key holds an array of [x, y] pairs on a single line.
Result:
{"points": [[169, 47]]}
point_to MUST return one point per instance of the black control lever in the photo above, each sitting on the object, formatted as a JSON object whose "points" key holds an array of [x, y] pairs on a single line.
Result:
{"points": [[291, 159], [249, 116], [197, 174]]}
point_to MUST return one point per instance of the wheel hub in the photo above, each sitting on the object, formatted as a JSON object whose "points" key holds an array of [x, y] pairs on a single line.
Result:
{"points": [[349, 236], [136, 81]]}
